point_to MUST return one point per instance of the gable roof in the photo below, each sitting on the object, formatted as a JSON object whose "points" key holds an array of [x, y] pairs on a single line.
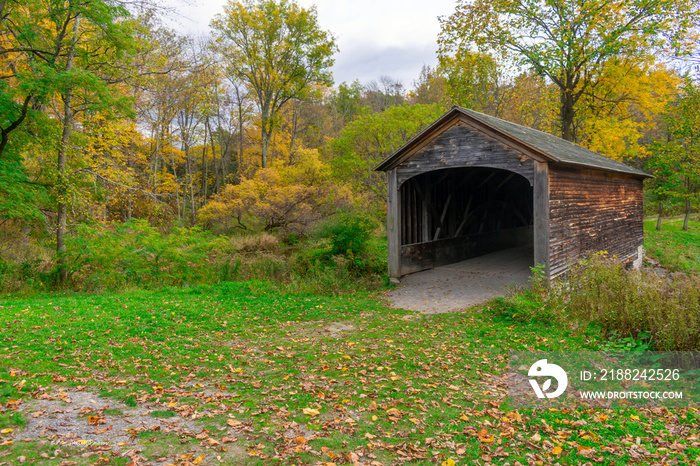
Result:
{"points": [[536, 144]]}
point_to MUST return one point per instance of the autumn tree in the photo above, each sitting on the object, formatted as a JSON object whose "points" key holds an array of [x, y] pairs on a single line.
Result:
{"points": [[278, 49], [569, 43], [473, 80], [530, 101], [429, 88], [279, 197], [621, 114]]}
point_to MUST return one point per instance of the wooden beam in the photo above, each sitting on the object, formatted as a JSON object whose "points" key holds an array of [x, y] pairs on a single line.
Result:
{"points": [[486, 180], [464, 217], [541, 216], [393, 226], [507, 179], [442, 217], [416, 186], [425, 234]]}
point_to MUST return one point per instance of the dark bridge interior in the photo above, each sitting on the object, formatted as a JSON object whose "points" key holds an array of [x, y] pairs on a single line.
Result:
{"points": [[454, 214]]}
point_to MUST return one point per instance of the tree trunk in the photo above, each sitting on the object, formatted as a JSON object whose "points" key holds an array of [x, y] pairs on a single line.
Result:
{"points": [[240, 139], [294, 131], [62, 217], [177, 187], [566, 114], [265, 145], [190, 175], [687, 213], [214, 160], [658, 220]]}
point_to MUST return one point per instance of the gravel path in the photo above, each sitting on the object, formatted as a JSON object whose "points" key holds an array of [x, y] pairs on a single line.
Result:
{"points": [[456, 287]]}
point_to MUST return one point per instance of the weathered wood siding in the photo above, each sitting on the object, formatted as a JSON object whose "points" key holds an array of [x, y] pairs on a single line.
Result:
{"points": [[590, 211], [465, 146]]}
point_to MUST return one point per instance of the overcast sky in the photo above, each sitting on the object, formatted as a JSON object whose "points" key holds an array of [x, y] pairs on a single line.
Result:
{"points": [[375, 37]]}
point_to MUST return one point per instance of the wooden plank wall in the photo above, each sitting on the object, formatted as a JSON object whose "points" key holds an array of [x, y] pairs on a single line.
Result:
{"points": [[465, 146], [590, 211]]}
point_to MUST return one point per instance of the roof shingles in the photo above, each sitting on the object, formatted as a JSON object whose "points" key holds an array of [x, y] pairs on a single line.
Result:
{"points": [[553, 147]]}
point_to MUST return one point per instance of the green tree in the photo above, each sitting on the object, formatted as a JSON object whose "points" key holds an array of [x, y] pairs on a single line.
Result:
{"points": [[278, 49], [372, 137], [569, 42], [683, 147], [345, 101], [61, 55]]}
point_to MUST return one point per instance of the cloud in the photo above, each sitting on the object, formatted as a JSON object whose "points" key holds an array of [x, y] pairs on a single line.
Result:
{"points": [[367, 62]]}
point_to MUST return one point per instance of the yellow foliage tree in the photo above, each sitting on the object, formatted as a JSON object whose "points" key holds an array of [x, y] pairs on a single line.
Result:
{"points": [[290, 197], [625, 106]]}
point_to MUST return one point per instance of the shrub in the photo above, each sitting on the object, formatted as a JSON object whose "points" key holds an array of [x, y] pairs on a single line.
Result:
{"points": [[252, 243], [630, 303], [289, 198], [349, 235], [137, 254]]}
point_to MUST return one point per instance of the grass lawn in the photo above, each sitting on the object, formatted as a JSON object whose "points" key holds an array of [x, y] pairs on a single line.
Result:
{"points": [[676, 249], [249, 375]]}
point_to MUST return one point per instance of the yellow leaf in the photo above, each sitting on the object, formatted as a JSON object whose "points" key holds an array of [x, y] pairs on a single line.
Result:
{"points": [[556, 451], [6, 431], [311, 411], [635, 417], [448, 462], [199, 459]]}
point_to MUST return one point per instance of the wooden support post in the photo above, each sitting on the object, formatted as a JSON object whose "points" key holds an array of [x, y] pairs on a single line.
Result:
{"points": [[425, 234], [466, 216], [393, 226], [442, 217], [541, 216]]}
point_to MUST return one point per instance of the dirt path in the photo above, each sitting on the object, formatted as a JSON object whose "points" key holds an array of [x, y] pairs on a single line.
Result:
{"points": [[458, 286], [79, 423]]}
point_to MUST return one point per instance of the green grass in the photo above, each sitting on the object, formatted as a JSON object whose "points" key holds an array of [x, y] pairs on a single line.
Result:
{"points": [[675, 249], [395, 390]]}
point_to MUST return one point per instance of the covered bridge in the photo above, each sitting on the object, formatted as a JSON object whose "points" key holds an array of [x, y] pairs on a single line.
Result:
{"points": [[472, 184]]}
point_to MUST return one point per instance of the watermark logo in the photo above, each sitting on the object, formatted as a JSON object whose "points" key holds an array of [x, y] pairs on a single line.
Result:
{"points": [[542, 368]]}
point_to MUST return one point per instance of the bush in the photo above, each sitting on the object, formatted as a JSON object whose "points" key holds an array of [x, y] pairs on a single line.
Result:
{"points": [[630, 303], [135, 254], [349, 235], [253, 243], [138, 255]]}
